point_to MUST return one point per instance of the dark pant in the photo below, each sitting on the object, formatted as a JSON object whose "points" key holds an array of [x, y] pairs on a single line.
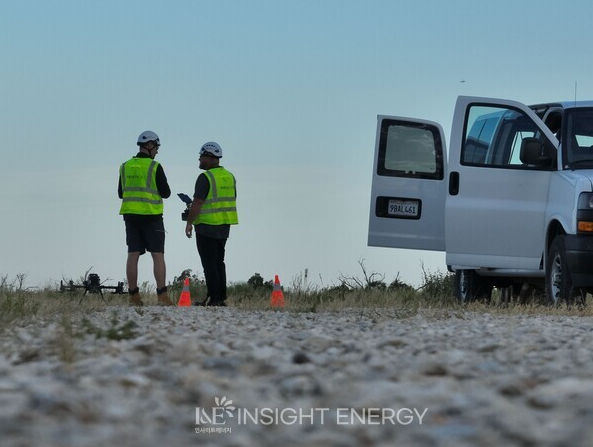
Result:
{"points": [[211, 252]]}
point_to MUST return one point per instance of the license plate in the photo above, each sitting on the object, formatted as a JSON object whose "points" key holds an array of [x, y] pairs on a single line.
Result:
{"points": [[405, 208]]}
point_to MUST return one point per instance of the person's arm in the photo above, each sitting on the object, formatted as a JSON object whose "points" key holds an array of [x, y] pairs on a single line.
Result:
{"points": [[194, 211], [200, 193], [161, 183]]}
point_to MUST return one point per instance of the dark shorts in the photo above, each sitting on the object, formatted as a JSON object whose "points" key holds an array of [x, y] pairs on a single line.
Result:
{"points": [[145, 233]]}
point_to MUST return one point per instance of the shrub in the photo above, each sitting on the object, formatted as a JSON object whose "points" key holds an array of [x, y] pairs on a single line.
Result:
{"points": [[257, 282], [197, 286], [437, 285]]}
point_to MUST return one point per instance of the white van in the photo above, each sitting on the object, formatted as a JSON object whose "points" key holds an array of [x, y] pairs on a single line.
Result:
{"points": [[511, 204]]}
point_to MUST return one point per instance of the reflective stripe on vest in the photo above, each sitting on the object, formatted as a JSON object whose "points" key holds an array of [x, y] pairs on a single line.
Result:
{"points": [[220, 206], [140, 193]]}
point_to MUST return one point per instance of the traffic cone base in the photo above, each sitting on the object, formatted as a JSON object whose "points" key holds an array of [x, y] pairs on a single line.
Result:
{"points": [[185, 297]]}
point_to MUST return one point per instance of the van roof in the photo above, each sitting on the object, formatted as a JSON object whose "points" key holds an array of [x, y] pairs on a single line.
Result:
{"points": [[563, 104]]}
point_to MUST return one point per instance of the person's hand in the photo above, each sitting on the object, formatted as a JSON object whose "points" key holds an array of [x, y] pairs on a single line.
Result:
{"points": [[188, 229]]}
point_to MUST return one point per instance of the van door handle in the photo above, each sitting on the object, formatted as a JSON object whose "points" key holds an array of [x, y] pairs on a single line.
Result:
{"points": [[454, 183]]}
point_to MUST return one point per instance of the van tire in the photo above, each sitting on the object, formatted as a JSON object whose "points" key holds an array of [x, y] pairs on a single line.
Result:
{"points": [[558, 283], [469, 286]]}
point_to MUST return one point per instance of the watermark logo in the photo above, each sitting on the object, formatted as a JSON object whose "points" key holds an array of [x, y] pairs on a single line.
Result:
{"points": [[221, 417], [226, 405], [214, 420]]}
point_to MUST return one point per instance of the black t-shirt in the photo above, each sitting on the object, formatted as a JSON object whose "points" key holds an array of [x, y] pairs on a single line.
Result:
{"points": [[201, 191]]}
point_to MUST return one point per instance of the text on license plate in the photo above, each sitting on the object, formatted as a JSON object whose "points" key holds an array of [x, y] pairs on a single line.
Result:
{"points": [[408, 208]]}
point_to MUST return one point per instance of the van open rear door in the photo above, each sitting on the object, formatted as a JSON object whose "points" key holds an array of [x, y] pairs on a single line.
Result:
{"points": [[409, 187]]}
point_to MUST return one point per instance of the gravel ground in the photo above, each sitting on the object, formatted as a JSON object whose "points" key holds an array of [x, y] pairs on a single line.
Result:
{"points": [[347, 378]]}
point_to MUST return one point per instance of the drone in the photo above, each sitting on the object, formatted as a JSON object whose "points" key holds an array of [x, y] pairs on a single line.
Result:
{"points": [[92, 285]]}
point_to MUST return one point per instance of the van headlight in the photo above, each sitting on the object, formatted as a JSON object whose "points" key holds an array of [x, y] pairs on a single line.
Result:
{"points": [[586, 201], [585, 213]]}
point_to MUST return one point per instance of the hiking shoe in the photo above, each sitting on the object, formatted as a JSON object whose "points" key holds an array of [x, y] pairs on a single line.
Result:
{"points": [[163, 300], [135, 299]]}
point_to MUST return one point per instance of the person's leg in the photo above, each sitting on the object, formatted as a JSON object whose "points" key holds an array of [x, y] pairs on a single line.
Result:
{"points": [[135, 245], [154, 238], [160, 274], [221, 268], [159, 269], [132, 275], [132, 269], [208, 249], [136, 248]]}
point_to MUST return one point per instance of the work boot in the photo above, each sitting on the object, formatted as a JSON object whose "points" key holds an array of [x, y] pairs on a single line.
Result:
{"points": [[215, 303], [135, 297], [203, 303], [163, 297]]}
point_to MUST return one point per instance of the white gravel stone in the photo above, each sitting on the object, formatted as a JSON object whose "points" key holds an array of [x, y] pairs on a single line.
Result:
{"points": [[481, 379]]}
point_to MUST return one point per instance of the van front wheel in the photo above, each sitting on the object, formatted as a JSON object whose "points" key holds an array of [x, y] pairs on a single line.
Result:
{"points": [[469, 286], [558, 284]]}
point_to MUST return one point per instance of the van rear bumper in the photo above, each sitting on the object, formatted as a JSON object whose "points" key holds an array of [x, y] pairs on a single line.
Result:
{"points": [[579, 255]]}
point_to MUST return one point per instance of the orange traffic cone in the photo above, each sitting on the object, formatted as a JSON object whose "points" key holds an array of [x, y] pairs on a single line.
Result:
{"points": [[277, 298], [185, 298]]}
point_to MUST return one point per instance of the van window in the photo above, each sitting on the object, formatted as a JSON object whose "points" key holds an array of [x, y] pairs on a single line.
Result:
{"points": [[410, 150], [479, 139], [494, 138], [578, 138]]}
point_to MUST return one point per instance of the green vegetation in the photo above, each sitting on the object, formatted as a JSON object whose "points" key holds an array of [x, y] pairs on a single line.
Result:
{"points": [[116, 331]]}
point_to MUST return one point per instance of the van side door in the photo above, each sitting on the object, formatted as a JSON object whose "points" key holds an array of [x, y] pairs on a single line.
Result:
{"points": [[502, 158], [407, 208]]}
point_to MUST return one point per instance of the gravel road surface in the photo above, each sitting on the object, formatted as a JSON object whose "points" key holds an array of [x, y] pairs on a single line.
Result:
{"points": [[229, 377]]}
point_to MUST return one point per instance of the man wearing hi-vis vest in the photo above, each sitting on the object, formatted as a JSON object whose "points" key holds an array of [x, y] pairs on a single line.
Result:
{"points": [[142, 187], [212, 212]]}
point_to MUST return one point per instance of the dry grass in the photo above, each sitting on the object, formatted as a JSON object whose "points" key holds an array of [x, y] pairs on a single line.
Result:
{"points": [[531, 309], [404, 302], [20, 306]]}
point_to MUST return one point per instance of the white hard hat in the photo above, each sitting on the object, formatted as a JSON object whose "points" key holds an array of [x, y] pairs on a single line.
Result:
{"points": [[147, 136], [211, 148]]}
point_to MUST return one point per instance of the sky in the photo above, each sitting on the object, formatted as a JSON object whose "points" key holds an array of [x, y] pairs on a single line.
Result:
{"points": [[291, 90]]}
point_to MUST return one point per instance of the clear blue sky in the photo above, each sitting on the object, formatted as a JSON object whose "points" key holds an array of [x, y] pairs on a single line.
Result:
{"points": [[291, 91]]}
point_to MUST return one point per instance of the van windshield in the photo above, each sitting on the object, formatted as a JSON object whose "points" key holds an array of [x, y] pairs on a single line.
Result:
{"points": [[577, 138]]}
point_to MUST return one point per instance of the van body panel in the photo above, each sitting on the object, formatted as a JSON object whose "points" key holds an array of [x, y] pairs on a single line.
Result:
{"points": [[565, 187]]}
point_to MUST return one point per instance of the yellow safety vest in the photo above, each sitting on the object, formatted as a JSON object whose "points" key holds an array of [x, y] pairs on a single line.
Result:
{"points": [[138, 184], [220, 206]]}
